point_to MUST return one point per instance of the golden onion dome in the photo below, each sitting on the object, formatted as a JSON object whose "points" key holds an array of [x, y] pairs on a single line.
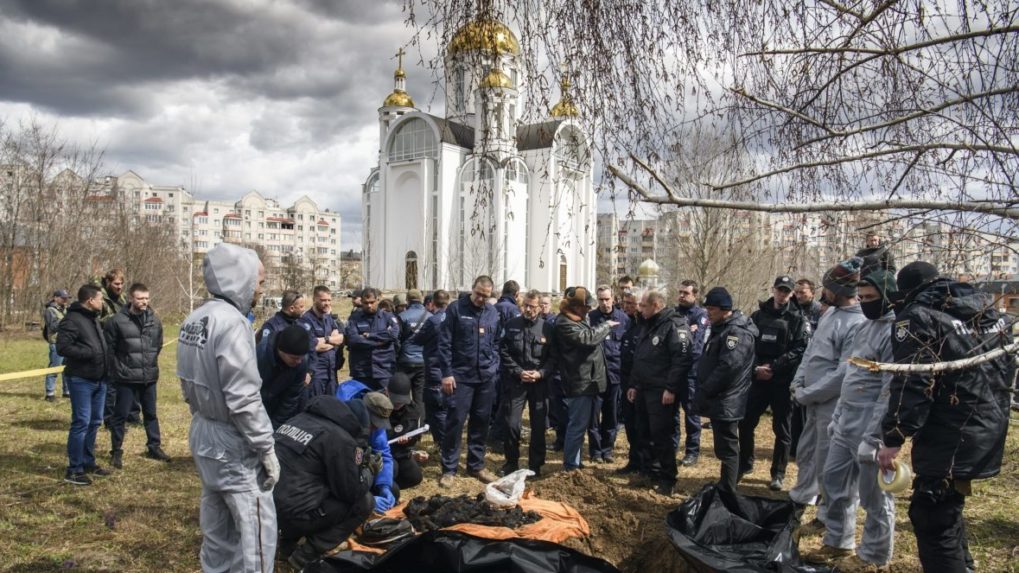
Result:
{"points": [[565, 108], [398, 98], [496, 79], [484, 34], [648, 269]]}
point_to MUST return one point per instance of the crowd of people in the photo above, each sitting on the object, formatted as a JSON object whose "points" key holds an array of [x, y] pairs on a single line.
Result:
{"points": [[108, 342], [292, 460]]}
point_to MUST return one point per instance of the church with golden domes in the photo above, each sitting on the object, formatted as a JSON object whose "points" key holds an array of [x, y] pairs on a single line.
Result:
{"points": [[479, 191]]}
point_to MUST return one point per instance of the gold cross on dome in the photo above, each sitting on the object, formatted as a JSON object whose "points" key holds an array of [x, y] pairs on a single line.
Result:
{"points": [[399, 57]]}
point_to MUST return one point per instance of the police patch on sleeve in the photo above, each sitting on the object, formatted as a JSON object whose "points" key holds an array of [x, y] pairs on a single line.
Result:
{"points": [[731, 342], [654, 341], [901, 330], [358, 456], [398, 428]]}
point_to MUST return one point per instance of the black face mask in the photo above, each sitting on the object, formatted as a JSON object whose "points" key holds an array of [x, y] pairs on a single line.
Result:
{"points": [[824, 299], [875, 309]]}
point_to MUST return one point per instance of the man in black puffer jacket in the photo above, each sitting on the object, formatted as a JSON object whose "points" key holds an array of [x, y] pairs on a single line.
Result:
{"points": [[957, 419], [723, 379], [658, 382], [135, 338], [80, 341], [327, 471]]}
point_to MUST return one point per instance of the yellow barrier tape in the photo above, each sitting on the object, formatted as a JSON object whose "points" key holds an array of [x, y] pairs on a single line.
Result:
{"points": [[45, 371]]}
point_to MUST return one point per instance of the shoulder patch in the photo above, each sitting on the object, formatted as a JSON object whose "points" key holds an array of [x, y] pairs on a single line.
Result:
{"points": [[654, 341], [731, 342], [358, 456], [901, 330], [306, 326]]}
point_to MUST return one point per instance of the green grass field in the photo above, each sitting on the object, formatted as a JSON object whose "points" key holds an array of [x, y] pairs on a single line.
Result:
{"points": [[144, 518]]}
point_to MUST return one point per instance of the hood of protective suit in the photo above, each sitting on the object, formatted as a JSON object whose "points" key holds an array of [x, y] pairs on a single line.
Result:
{"points": [[231, 273]]}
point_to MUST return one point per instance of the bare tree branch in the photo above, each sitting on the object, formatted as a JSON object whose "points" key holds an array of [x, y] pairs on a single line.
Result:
{"points": [[673, 198], [935, 367]]}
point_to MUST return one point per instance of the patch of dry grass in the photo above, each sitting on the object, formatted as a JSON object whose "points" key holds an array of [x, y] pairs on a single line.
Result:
{"points": [[145, 517]]}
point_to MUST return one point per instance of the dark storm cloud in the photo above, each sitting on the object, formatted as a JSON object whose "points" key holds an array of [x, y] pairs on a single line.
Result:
{"points": [[229, 95], [105, 55]]}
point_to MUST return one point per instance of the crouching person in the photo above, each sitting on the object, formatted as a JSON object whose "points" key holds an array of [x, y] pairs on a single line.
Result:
{"points": [[325, 479], [380, 408], [404, 420]]}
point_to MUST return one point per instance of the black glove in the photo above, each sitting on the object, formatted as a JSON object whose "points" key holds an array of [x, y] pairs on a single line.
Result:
{"points": [[375, 462]]}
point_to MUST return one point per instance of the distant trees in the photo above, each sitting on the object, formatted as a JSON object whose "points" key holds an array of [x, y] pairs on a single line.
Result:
{"points": [[63, 223]]}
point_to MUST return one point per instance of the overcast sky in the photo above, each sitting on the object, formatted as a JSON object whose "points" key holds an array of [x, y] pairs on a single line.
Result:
{"points": [[221, 96]]}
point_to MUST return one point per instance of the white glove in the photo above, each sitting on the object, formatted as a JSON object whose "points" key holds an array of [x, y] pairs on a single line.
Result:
{"points": [[272, 470]]}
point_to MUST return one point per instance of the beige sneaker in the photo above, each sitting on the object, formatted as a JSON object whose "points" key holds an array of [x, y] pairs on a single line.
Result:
{"points": [[828, 554], [446, 481], [854, 564]]}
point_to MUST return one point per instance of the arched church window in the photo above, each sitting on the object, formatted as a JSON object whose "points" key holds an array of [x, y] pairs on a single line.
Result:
{"points": [[411, 271], [414, 139], [371, 192], [570, 150], [458, 87], [516, 172]]}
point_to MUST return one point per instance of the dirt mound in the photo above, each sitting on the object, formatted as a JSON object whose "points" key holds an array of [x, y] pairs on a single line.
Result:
{"points": [[626, 518]]}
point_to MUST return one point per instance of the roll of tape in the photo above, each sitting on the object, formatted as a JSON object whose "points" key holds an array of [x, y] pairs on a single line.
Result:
{"points": [[897, 481]]}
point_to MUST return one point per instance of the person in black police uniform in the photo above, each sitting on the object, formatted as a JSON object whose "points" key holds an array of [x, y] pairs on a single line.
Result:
{"points": [[405, 418], [283, 365], [957, 419], [783, 338], [373, 338], [526, 364], [326, 475], [724, 379], [658, 379]]}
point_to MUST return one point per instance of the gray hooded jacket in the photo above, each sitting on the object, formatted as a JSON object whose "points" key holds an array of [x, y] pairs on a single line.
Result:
{"points": [[824, 363], [865, 389], [216, 356]]}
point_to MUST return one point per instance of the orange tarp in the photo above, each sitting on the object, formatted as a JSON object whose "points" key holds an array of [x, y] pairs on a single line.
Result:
{"points": [[558, 523]]}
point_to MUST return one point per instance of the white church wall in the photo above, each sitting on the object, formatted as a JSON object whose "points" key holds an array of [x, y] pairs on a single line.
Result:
{"points": [[405, 217]]}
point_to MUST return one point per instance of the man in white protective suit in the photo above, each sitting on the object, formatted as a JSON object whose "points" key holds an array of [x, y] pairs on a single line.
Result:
{"points": [[231, 436], [850, 476]]}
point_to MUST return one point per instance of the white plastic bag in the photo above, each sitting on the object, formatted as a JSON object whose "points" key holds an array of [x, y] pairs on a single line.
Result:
{"points": [[506, 492]]}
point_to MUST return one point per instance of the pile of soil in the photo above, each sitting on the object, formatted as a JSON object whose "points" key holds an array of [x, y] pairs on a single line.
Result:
{"points": [[625, 515]]}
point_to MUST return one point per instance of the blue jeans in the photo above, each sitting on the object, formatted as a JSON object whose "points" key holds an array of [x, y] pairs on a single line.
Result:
{"points": [[51, 379], [579, 411], [87, 398]]}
